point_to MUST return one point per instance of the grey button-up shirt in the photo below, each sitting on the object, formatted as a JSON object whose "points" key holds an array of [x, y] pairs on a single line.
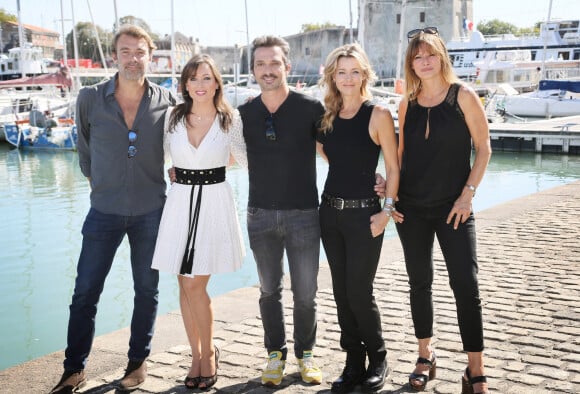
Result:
{"points": [[121, 185]]}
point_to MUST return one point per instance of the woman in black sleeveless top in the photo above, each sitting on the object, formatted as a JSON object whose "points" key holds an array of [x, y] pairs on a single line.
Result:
{"points": [[439, 119], [353, 133]]}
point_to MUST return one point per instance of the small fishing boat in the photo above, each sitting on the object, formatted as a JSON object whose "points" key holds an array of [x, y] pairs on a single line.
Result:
{"points": [[41, 132]]}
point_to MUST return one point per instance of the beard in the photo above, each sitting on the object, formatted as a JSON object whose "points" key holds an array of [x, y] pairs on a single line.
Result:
{"points": [[273, 85], [133, 74]]}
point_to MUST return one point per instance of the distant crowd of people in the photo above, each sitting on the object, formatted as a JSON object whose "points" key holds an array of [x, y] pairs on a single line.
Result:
{"points": [[128, 127]]}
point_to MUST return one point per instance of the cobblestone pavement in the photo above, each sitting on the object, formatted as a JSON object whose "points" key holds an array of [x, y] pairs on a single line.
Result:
{"points": [[529, 257]]}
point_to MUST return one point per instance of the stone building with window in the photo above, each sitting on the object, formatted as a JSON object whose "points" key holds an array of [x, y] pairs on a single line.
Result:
{"points": [[47, 40]]}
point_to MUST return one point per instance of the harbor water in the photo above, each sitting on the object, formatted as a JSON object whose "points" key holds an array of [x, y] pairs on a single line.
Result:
{"points": [[44, 199]]}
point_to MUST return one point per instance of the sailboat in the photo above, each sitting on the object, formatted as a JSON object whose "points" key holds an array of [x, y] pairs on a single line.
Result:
{"points": [[36, 110]]}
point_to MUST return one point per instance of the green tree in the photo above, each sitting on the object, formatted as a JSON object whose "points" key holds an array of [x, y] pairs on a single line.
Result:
{"points": [[495, 26], [6, 17], [133, 20], [527, 31], [87, 42], [315, 26]]}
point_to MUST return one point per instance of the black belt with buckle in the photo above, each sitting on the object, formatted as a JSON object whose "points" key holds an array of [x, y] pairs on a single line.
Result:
{"points": [[341, 203]]}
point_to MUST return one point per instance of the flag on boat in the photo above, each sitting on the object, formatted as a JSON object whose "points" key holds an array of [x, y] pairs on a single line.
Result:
{"points": [[467, 24]]}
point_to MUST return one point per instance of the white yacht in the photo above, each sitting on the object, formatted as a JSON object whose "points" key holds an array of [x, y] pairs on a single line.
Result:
{"points": [[22, 62], [521, 61]]}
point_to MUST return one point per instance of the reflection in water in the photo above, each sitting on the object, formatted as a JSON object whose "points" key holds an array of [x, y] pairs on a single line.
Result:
{"points": [[43, 202]]}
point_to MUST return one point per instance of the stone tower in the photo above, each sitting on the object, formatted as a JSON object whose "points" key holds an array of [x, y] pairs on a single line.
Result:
{"points": [[383, 27]]}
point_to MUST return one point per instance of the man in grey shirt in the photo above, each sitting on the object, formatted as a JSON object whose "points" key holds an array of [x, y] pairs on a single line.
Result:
{"points": [[120, 148]]}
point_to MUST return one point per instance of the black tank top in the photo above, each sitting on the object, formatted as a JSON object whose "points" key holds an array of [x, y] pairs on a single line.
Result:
{"points": [[434, 169], [352, 156]]}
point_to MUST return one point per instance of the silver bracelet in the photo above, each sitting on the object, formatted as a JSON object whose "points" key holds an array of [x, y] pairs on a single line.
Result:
{"points": [[388, 206], [472, 188], [389, 209]]}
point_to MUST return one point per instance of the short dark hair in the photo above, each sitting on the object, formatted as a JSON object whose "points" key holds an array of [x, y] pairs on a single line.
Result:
{"points": [[268, 42], [135, 32]]}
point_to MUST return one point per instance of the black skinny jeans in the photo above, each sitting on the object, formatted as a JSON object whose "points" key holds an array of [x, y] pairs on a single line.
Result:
{"points": [[353, 256], [459, 251]]}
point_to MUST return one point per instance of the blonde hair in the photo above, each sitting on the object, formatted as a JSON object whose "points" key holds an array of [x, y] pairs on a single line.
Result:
{"points": [[433, 44], [332, 98], [223, 108]]}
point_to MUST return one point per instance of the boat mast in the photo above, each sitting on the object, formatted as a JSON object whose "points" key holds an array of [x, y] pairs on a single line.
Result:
{"points": [[401, 35], [20, 29], [116, 17], [350, 16], [173, 79], [103, 60], [75, 45], [545, 32], [247, 42], [64, 54]]}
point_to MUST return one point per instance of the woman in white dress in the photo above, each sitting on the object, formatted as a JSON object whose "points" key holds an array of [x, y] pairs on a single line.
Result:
{"points": [[199, 234]]}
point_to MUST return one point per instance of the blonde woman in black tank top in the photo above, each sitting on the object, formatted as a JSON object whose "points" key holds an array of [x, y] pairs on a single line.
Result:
{"points": [[353, 134]]}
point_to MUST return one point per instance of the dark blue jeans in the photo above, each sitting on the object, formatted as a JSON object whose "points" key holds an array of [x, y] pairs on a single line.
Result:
{"points": [[353, 256], [417, 233], [298, 231], [102, 235]]}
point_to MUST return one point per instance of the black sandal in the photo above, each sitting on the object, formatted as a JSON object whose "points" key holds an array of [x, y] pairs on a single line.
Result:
{"points": [[191, 382], [209, 381], [422, 378], [467, 384]]}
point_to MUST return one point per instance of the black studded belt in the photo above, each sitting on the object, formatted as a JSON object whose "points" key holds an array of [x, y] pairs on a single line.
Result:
{"points": [[341, 203], [200, 177]]}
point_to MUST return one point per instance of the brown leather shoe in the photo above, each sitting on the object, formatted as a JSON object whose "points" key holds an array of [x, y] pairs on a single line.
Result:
{"points": [[70, 381], [135, 375]]}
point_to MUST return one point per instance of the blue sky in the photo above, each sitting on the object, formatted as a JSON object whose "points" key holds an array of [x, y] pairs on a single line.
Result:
{"points": [[223, 22]]}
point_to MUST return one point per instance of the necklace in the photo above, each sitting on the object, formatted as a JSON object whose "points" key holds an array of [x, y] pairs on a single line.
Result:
{"points": [[200, 117]]}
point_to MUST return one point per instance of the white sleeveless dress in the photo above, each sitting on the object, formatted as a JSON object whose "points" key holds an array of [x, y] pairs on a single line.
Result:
{"points": [[218, 244]]}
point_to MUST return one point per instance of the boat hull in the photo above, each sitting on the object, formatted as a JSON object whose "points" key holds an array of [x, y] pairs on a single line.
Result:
{"points": [[541, 107], [28, 137]]}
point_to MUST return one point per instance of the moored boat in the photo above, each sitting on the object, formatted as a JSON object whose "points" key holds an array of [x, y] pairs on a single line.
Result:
{"points": [[520, 61], [49, 94], [43, 133], [554, 98]]}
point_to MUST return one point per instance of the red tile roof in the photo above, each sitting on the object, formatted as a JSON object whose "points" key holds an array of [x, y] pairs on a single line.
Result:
{"points": [[34, 28]]}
